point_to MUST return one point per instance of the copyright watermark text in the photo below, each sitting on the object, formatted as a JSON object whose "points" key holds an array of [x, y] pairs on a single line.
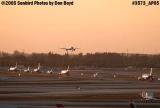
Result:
{"points": [[37, 3], [145, 2]]}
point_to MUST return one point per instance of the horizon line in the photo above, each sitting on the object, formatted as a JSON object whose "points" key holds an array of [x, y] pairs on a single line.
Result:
{"points": [[75, 53]]}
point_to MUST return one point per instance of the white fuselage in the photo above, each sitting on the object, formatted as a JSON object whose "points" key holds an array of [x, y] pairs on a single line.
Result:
{"points": [[36, 70], [27, 70], [15, 68], [12, 68], [145, 76], [64, 71]]}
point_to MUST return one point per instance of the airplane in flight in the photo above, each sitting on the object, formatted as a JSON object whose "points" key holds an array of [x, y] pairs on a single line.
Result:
{"points": [[15, 68], [65, 72], [147, 76], [37, 69], [70, 49]]}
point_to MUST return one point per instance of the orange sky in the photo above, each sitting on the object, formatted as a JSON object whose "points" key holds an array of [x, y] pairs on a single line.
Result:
{"points": [[92, 25]]}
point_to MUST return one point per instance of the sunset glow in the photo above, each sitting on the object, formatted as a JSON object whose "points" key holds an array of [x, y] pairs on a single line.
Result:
{"points": [[93, 26]]}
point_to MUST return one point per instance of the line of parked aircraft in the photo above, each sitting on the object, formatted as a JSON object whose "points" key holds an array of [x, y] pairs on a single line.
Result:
{"points": [[145, 95], [38, 70], [146, 76]]}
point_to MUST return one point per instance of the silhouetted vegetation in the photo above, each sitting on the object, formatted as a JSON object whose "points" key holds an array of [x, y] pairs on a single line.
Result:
{"points": [[109, 60]]}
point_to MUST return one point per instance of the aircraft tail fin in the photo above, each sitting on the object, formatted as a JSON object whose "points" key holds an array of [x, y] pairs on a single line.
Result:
{"points": [[151, 72], [68, 67], [39, 65], [16, 64]]}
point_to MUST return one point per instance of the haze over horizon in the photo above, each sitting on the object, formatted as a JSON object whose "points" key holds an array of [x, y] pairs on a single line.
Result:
{"points": [[93, 26]]}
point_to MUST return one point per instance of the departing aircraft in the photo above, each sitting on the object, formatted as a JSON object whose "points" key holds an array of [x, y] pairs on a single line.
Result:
{"points": [[27, 70], [37, 69], [65, 71], [146, 76], [13, 68], [70, 49]]}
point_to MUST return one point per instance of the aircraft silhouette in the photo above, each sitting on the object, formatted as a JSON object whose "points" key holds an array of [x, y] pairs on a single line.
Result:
{"points": [[70, 49]]}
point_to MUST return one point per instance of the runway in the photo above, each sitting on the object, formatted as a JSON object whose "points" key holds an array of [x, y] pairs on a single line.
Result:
{"points": [[34, 90]]}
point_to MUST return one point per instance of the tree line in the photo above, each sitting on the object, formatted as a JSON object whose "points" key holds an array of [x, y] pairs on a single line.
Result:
{"points": [[107, 59]]}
